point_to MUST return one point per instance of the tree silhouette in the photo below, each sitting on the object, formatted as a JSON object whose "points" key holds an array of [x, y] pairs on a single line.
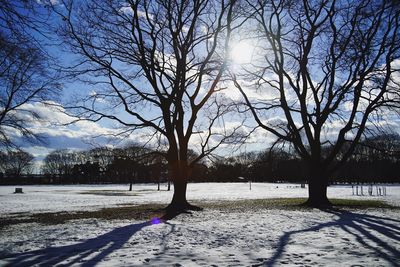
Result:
{"points": [[59, 162], [16, 163], [326, 74], [26, 75], [156, 67]]}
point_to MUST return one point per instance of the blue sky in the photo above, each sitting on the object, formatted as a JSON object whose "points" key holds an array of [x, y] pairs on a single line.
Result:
{"points": [[85, 135]]}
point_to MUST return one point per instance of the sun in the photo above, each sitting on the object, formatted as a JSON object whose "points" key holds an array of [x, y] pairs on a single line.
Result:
{"points": [[241, 52]]}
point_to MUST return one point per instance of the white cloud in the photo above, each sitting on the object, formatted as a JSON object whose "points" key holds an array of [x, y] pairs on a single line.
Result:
{"points": [[38, 151], [55, 124], [48, 2], [264, 94], [128, 10]]}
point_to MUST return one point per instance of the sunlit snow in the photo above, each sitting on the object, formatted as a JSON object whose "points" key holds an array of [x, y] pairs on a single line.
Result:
{"points": [[270, 237]]}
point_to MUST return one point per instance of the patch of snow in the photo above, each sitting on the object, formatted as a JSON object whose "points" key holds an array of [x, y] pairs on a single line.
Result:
{"points": [[208, 238], [85, 197]]}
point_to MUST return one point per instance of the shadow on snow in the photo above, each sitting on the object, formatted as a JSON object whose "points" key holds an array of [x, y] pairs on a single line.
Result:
{"points": [[97, 248], [366, 229]]}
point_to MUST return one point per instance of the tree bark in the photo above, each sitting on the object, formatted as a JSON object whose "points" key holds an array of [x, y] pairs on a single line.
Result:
{"points": [[180, 175], [179, 201], [317, 188]]}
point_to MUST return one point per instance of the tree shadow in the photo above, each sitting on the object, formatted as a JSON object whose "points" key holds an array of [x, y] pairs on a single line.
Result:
{"points": [[172, 211], [365, 228], [98, 248]]}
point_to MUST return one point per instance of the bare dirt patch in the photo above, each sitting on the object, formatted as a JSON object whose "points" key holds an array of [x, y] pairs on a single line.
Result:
{"points": [[149, 211]]}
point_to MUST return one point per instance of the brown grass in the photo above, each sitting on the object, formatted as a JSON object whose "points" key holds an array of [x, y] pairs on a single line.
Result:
{"points": [[147, 211]]}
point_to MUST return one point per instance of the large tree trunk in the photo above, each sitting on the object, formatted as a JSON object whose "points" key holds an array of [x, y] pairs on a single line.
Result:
{"points": [[317, 187], [180, 175], [179, 201]]}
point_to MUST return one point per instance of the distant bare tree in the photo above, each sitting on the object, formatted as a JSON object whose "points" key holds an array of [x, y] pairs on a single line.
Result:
{"points": [[377, 148], [328, 68], [157, 66], [16, 163], [60, 162], [101, 155], [26, 75]]}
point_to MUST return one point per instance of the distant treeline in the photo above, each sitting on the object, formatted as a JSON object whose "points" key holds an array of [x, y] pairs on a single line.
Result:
{"points": [[376, 160]]}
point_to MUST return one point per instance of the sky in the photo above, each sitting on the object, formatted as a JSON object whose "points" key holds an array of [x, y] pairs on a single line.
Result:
{"points": [[59, 133]]}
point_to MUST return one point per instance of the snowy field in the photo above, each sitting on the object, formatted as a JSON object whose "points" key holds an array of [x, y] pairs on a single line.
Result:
{"points": [[268, 237]]}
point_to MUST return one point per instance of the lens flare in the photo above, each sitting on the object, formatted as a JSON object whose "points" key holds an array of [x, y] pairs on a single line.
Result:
{"points": [[156, 221]]}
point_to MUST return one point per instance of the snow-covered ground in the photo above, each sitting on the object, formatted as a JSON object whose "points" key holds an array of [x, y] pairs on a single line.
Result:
{"points": [[369, 237], [45, 198]]}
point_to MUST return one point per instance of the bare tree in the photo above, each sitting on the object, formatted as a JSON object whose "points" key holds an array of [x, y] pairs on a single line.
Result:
{"points": [[26, 75], [156, 67], [60, 162], [16, 163], [384, 147], [102, 155], [328, 71]]}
